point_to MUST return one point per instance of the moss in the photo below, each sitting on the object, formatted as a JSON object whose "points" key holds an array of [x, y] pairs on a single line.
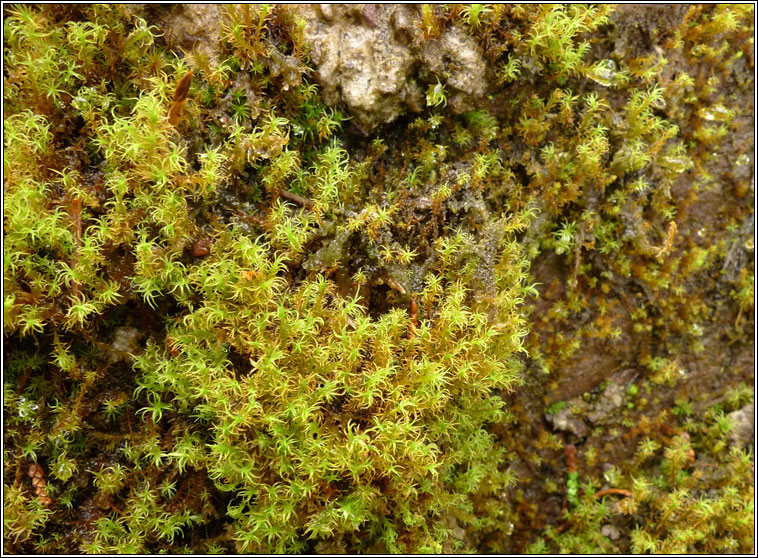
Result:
{"points": [[232, 326], [684, 492]]}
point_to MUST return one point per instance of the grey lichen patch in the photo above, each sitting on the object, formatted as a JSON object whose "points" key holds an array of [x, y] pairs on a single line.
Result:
{"points": [[487, 250], [330, 254]]}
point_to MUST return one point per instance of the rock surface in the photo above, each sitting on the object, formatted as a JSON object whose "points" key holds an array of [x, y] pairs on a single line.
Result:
{"points": [[366, 59], [743, 432], [366, 56]]}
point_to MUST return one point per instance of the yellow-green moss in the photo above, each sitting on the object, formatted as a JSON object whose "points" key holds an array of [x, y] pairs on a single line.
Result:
{"points": [[254, 332]]}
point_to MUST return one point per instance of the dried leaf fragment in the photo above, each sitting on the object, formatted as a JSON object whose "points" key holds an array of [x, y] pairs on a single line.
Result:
{"points": [[179, 98]]}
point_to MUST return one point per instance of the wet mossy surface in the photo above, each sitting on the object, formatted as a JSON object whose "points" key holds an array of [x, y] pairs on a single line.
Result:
{"points": [[515, 317]]}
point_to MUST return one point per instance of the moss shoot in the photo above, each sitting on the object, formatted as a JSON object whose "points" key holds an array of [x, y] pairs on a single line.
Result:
{"points": [[237, 321]]}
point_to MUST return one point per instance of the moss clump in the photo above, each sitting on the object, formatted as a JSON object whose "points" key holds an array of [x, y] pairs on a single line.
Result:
{"points": [[232, 326], [686, 491], [319, 421]]}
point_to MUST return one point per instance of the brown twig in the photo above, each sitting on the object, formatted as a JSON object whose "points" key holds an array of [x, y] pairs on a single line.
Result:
{"points": [[300, 200], [393, 284], [571, 458], [619, 491], [413, 310], [76, 215], [115, 509]]}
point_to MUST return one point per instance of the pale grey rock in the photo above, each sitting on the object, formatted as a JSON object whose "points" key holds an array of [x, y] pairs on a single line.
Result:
{"points": [[124, 341], [366, 59], [568, 421], [743, 432], [457, 55], [605, 408], [610, 531]]}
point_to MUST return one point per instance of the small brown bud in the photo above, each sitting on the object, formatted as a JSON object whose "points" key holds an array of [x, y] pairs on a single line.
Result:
{"points": [[35, 470], [201, 248], [180, 97], [413, 311], [182, 87]]}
